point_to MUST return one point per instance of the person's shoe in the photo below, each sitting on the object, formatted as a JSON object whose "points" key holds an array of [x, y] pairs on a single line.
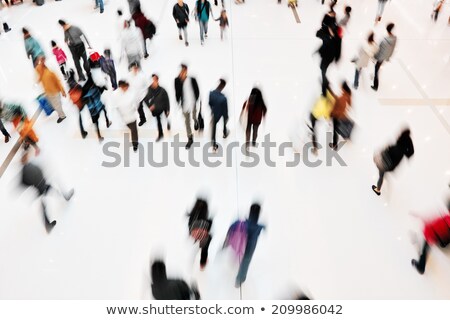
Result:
{"points": [[84, 134], [146, 56], [49, 225], [8, 29], [60, 119], [135, 148], [101, 11], [141, 123], [206, 35], [226, 134], [101, 139], [376, 190], [160, 137], [374, 88], [202, 43], [253, 143], [333, 146], [186, 44], [189, 143], [315, 151], [215, 147], [168, 126], [69, 194], [108, 124], [7, 138], [180, 37], [415, 264]]}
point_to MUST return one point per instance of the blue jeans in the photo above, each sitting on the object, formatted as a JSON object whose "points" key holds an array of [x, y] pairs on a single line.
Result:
{"points": [[203, 29], [245, 263], [99, 3]]}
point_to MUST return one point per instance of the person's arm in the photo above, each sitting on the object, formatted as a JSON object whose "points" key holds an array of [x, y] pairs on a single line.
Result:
{"points": [[174, 13], [166, 101], [148, 99], [59, 85], [83, 37], [196, 89]]}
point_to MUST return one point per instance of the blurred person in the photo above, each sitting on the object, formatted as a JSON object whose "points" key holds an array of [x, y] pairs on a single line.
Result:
{"points": [[380, 10], [219, 108], [202, 12], [253, 231], [389, 159], [256, 110], [53, 88], [16, 114], [108, 67], [4, 131], [32, 47], [33, 176], [75, 38], [170, 289], [199, 225], [99, 4], [133, 5], [436, 231], [125, 102], [3, 22], [321, 110], [187, 94], [158, 101], [339, 114], [223, 22], [329, 51], [132, 43], [91, 95], [76, 96], [384, 53], [61, 58], [365, 54], [180, 13], [139, 84], [346, 18], [437, 7], [146, 26]]}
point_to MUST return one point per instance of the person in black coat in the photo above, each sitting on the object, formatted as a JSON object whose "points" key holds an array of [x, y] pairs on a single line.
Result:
{"points": [[180, 13], [170, 289], [219, 108], [329, 51], [390, 158], [200, 223], [158, 102], [187, 94]]}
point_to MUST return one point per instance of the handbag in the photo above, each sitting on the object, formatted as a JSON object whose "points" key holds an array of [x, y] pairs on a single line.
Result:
{"points": [[345, 128]]}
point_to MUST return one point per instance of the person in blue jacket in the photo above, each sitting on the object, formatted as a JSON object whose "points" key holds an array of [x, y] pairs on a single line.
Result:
{"points": [[219, 107], [32, 47]]}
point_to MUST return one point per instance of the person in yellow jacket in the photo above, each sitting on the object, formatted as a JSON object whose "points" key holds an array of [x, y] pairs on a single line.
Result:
{"points": [[321, 110], [53, 88]]}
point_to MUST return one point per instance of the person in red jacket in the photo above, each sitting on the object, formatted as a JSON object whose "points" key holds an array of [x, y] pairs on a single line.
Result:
{"points": [[256, 110], [435, 232], [145, 25]]}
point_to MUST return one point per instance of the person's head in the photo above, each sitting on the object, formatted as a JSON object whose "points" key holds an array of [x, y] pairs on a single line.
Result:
{"points": [[405, 133], [222, 84], [200, 210], [63, 24], [390, 27], [119, 13], [180, 2], [53, 43], [134, 67], [255, 210], [126, 24], [155, 82], [107, 53], [346, 88], [371, 38], [26, 33], [223, 13], [124, 85], [183, 72], [347, 10], [158, 271]]}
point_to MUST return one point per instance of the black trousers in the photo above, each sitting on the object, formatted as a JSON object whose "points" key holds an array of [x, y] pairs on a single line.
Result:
{"points": [[141, 112], [420, 265], [134, 133], [323, 68], [158, 120], [377, 70], [204, 253], [248, 132], [335, 134], [214, 125], [62, 67], [95, 121], [79, 52], [313, 129]]}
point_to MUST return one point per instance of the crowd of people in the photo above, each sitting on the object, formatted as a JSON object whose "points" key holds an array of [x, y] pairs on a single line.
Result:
{"points": [[139, 93]]}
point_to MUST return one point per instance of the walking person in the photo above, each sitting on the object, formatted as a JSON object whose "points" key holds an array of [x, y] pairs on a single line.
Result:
{"points": [[389, 159], [435, 232], [158, 102], [53, 88], [223, 22], [437, 7], [76, 96], [75, 39], [321, 110], [164, 288], [202, 12], [380, 10], [132, 43], [329, 51], [339, 114], [255, 110], [187, 94], [126, 104], [199, 225], [219, 108], [253, 231], [139, 85], [32, 47], [16, 114], [109, 68], [61, 58], [365, 54], [33, 176], [384, 53], [180, 13], [99, 4], [146, 26]]}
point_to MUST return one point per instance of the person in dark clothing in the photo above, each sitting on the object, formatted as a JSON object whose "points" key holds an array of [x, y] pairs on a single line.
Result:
{"points": [[108, 67], [187, 94], [199, 225], [253, 231], [33, 176], [256, 110], [4, 131], [133, 5], [339, 112], [390, 158], [76, 96], [170, 289], [203, 11], [145, 25], [73, 36], [384, 53], [219, 107], [158, 102], [329, 51], [180, 13]]}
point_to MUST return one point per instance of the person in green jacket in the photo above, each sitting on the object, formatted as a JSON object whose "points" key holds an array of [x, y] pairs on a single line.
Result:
{"points": [[32, 47]]}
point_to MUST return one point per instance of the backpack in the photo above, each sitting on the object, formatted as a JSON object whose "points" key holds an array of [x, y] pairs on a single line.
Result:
{"points": [[199, 231], [237, 238]]}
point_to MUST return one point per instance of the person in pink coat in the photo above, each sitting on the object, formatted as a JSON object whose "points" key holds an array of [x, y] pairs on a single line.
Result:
{"points": [[61, 58]]}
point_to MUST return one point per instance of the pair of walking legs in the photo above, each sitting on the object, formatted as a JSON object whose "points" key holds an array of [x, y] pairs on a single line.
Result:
{"points": [[134, 134], [248, 133], [78, 53], [213, 131]]}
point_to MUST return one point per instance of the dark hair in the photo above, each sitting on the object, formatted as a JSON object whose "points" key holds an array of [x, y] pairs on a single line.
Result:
{"points": [[389, 27], [258, 98], [222, 84], [25, 31], [183, 66], [62, 22], [348, 9], [346, 88], [155, 76], [158, 271], [371, 37], [53, 43], [119, 12], [255, 209], [200, 211], [107, 53], [134, 65], [123, 83]]}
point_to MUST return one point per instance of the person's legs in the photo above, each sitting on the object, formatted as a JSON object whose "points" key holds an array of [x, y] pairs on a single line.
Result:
{"points": [[55, 102], [187, 122], [142, 118], [62, 67], [248, 131], [101, 5], [357, 74], [375, 79], [145, 48], [202, 31], [185, 35], [134, 134], [245, 263], [313, 129], [255, 133], [420, 265], [335, 135], [213, 131], [206, 28], [113, 78], [83, 132], [108, 123], [204, 253], [76, 59], [225, 130], [160, 129], [323, 68], [85, 60], [380, 179]]}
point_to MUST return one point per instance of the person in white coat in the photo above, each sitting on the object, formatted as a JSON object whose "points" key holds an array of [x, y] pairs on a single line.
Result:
{"points": [[366, 53], [124, 100], [132, 41], [139, 84]]}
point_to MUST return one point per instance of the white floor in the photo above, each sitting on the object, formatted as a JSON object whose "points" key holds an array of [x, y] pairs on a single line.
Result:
{"points": [[327, 233]]}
